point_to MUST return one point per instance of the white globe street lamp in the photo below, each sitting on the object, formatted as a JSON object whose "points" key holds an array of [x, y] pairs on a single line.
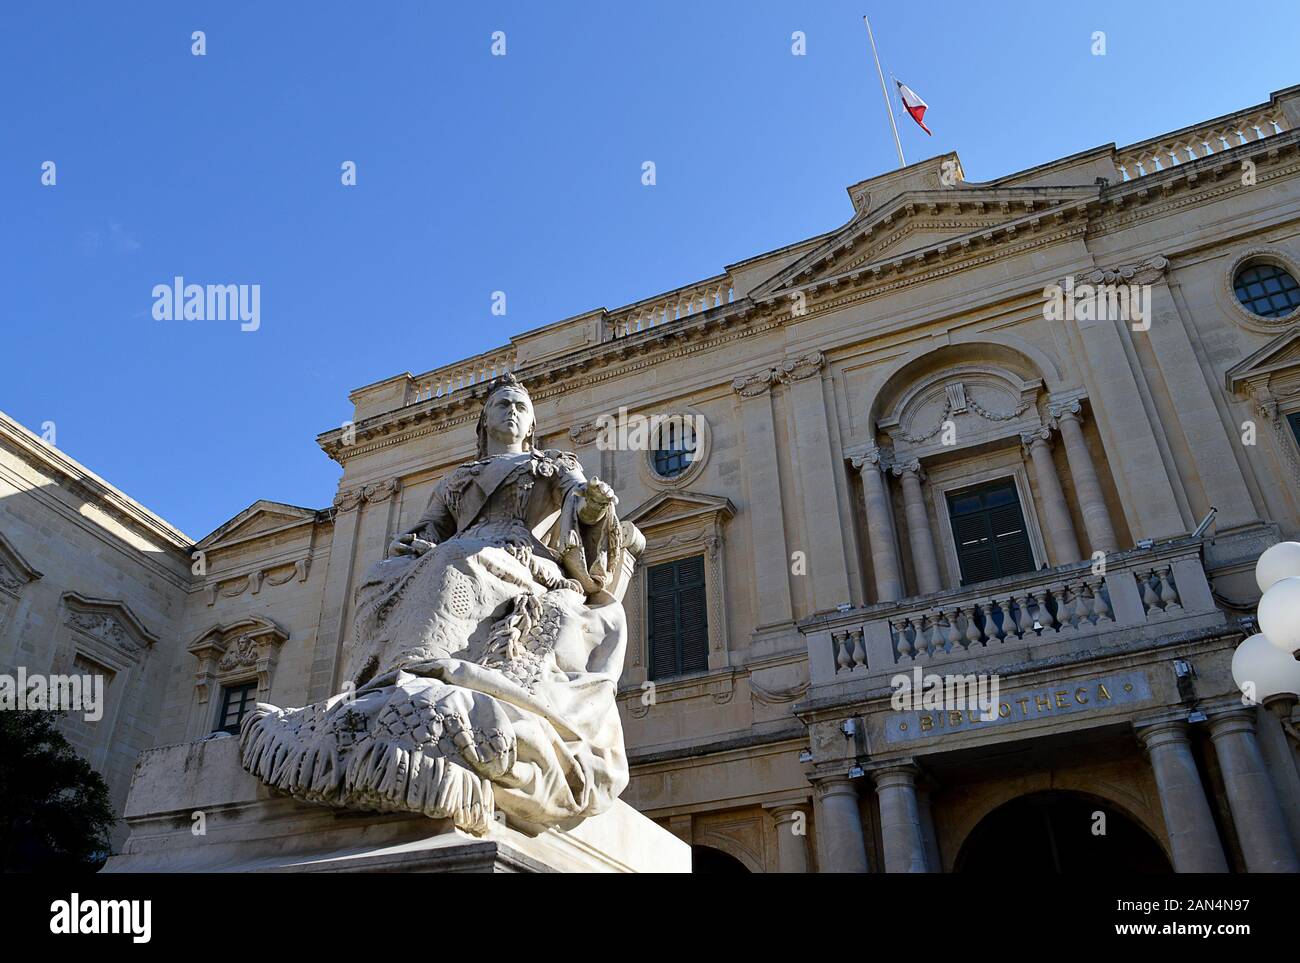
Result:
{"points": [[1262, 670], [1278, 575], [1279, 562], [1279, 614]]}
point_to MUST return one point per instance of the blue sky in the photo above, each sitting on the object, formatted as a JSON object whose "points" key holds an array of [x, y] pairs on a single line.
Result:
{"points": [[477, 174]]}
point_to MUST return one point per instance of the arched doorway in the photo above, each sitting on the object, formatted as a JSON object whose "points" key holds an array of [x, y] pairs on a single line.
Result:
{"points": [[1053, 832], [706, 859]]}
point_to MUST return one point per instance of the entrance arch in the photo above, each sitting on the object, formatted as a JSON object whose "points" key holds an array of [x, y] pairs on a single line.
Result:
{"points": [[706, 859], [1053, 832]]}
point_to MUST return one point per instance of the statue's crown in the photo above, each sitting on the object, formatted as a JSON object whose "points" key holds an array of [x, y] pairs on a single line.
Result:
{"points": [[507, 380]]}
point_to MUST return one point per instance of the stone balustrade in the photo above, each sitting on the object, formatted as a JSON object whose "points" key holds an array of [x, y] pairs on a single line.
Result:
{"points": [[1139, 589], [661, 310], [441, 382], [1201, 140]]}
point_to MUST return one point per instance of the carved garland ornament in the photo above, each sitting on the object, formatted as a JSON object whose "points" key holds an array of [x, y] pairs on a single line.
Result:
{"points": [[974, 405]]}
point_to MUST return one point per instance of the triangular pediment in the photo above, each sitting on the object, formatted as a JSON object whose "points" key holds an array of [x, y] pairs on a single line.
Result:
{"points": [[14, 570], [109, 620], [676, 506], [258, 518], [922, 223], [1280, 354]]}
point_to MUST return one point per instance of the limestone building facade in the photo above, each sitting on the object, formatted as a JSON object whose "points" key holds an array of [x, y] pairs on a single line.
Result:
{"points": [[972, 431]]}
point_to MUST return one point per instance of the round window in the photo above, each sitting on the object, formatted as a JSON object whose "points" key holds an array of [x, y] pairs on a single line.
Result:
{"points": [[1266, 290], [676, 448]]}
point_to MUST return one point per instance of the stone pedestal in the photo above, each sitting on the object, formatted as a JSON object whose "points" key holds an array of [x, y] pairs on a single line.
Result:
{"points": [[178, 790]]}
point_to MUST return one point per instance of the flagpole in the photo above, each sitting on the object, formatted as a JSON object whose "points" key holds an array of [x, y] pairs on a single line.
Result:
{"points": [[889, 108]]}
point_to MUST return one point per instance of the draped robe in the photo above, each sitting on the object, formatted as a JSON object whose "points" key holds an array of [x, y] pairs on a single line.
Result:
{"points": [[482, 673]]}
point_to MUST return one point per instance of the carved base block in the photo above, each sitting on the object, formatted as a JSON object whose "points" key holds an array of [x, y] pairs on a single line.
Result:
{"points": [[181, 789]]}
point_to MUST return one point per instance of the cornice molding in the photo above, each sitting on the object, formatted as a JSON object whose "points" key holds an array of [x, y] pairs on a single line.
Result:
{"points": [[85, 483]]}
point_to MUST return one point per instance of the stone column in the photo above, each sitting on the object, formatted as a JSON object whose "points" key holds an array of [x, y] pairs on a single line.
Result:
{"points": [[1056, 514], [880, 526], [1256, 814], [925, 808], [1193, 838], [900, 820], [839, 828], [791, 837], [1092, 502], [918, 529]]}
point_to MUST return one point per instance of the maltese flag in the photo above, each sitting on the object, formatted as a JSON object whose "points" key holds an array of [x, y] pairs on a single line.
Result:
{"points": [[913, 104]]}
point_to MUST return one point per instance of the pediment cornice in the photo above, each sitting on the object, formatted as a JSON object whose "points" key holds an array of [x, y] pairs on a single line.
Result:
{"points": [[678, 506], [1281, 354], [969, 214], [109, 620], [259, 519], [15, 572]]}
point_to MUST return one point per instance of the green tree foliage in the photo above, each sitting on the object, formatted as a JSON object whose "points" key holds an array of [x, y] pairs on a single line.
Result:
{"points": [[55, 815]]}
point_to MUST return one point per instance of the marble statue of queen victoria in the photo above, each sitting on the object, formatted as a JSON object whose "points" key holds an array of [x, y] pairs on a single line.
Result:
{"points": [[485, 652]]}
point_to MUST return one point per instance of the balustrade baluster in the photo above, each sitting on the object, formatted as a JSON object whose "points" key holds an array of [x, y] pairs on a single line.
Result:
{"points": [[1168, 591], [1100, 610], [986, 610], [842, 658], [1024, 621], [1149, 598], [972, 633], [1046, 620], [901, 642], [859, 651], [952, 637], [921, 641], [1000, 632]]}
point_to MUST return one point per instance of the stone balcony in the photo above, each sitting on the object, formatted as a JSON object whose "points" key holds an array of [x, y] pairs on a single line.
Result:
{"points": [[1143, 592]]}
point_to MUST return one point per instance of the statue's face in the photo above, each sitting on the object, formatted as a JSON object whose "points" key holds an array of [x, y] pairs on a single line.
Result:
{"points": [[509, 417]]}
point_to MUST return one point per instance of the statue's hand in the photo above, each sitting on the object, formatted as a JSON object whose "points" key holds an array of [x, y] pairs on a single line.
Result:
{"points": [[409, 544], [598, 494]]}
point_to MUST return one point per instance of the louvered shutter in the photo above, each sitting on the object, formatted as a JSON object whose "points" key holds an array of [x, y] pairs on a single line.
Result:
{"points": [[1011, 540], [661, 584], [692, 615], [975, 549], [678, 607], [990, 532]]}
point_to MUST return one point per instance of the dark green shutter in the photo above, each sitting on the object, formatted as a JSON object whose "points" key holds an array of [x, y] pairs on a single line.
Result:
{"points": [[989, 529], [678, 618]]}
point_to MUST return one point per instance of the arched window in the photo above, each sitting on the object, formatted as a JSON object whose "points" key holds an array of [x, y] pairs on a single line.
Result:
{"points": [[1266, 290]]}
